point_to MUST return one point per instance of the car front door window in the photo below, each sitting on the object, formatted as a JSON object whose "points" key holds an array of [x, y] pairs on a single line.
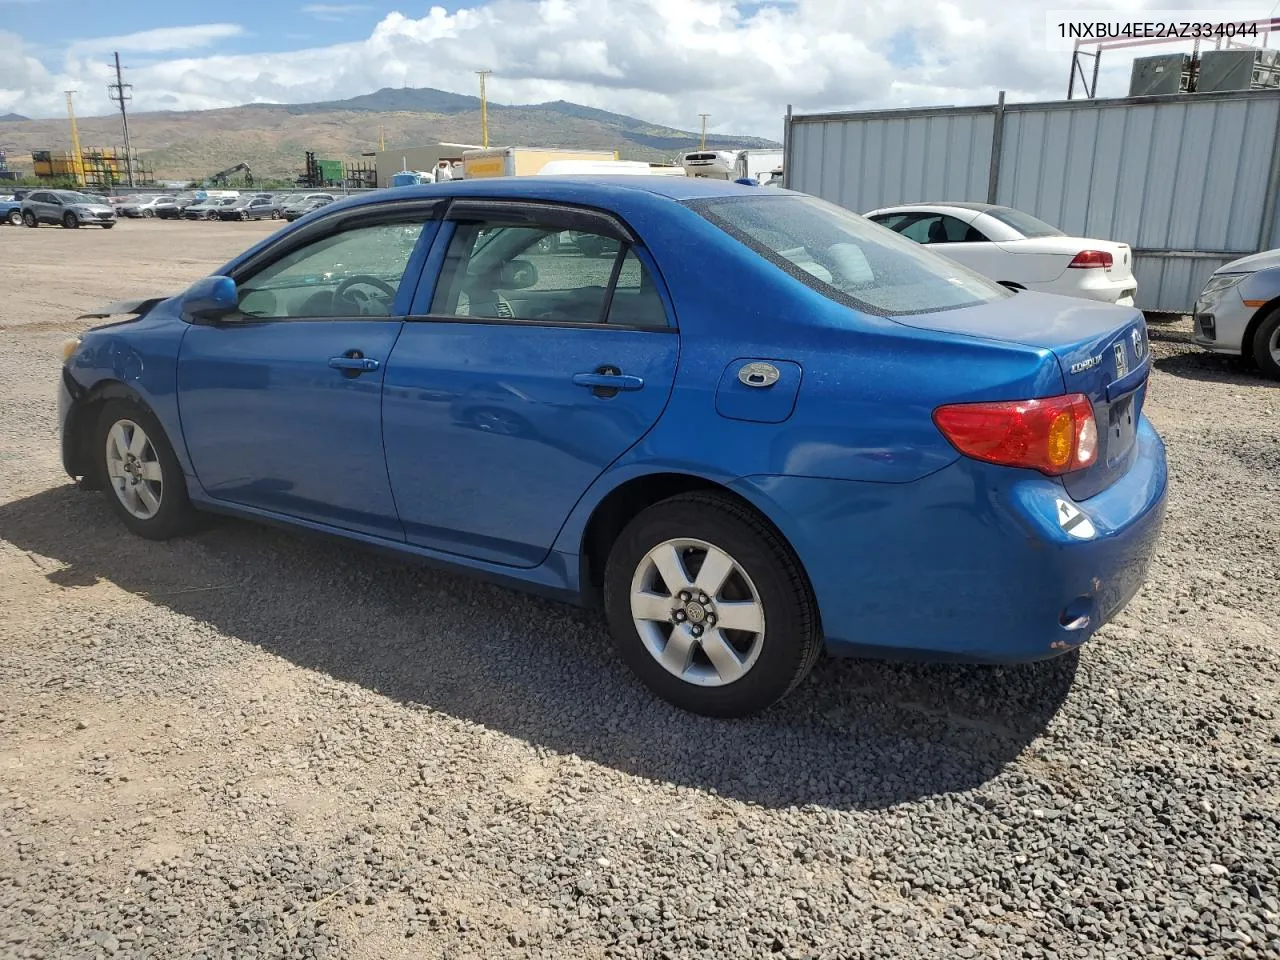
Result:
{"points": [[353, 273], [936, 228]]}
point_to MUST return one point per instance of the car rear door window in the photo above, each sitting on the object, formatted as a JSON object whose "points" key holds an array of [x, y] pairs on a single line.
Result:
{"points": [[535, 272]]}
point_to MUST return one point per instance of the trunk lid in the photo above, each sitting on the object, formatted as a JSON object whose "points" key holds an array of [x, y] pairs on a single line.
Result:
{"points": [[1103, 353]]}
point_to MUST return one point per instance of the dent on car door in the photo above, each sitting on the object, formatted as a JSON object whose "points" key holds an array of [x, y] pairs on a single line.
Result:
{"points": [[535, 366], [281, 401]]}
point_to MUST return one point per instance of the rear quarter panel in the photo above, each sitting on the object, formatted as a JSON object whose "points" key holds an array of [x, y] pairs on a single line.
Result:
{"points": [[868, 384]]}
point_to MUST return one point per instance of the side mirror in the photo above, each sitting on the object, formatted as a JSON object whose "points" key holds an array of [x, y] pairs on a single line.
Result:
{"points": [[517, 275], [211, 297]]}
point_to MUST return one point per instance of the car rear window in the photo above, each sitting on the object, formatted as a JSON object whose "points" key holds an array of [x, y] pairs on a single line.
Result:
{"points": [[847, 257], [1024, 223]]}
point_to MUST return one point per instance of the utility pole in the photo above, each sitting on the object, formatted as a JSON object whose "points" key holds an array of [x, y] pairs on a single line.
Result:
{"points": [[703, 144], [119, 93], [484, 109], [77, 161]]}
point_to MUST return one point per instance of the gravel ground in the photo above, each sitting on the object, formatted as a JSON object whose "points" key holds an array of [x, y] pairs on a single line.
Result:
{"points": [[251, 743]]}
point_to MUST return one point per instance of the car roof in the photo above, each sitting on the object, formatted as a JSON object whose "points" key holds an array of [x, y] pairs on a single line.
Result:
{"points": [[572, 188], [961, 204]]}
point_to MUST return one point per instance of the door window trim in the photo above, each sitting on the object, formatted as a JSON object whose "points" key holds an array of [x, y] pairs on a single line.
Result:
{"points": [[580, 218]]}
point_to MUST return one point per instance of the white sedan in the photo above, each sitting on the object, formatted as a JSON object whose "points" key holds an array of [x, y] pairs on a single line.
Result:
{"points": [[1017, 250]]}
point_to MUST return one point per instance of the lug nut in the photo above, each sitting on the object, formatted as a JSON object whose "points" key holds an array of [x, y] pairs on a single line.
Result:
{"points": [[702, 598], [697, 631], [680, 616], [685, 596], [711, 619]]}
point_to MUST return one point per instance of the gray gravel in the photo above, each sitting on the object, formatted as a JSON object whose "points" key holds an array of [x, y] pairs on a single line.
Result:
{"points": [[254, 744]]}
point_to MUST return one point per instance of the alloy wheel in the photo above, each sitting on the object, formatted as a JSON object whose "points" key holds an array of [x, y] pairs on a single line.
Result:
{"points": [[134, 470], [697, 612]]}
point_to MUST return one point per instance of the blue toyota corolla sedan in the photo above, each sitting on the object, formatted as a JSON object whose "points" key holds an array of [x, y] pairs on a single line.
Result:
{"points": [[748, 424]]}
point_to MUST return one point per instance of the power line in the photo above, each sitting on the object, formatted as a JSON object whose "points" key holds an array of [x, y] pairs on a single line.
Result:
{"points": [[119, 93]]}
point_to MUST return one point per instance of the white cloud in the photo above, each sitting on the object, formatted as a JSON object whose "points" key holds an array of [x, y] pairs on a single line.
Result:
{"points": [[663, 60], [333, 11], [161, 39]]}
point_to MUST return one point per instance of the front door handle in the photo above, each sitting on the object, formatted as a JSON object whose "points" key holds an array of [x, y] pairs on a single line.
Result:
{"points": [[353, 362], [609, 381]]}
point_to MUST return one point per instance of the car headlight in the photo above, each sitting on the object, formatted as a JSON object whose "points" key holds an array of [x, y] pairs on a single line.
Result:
{"points": [[1224, 282], [69, 348]]}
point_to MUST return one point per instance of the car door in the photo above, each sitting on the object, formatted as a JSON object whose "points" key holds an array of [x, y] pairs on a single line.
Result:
{"points": [[281, 402], [527, 368], [47, 207]]}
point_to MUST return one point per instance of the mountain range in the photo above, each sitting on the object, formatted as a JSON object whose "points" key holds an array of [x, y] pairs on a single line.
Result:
{"points": [[273, 138]]}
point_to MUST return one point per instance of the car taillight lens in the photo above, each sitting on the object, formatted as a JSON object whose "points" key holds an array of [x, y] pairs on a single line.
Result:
{"points": [[1091, 258], [1054, 435]]}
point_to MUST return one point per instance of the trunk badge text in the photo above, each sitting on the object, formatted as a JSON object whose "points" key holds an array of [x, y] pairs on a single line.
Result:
{"points": [[759, 374], [1084, 365]]}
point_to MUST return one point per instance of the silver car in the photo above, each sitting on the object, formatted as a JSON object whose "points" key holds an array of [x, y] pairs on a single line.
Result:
{"points": [[1238, 312], [67, 207]]}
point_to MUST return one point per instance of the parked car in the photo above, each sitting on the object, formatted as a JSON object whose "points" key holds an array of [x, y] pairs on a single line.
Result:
{"points": [[247, 208], [148, 207], [1018, 250], [11, 211], [819, 433], [210, 209], [301, 209], [1238, 311], [67, 207]]}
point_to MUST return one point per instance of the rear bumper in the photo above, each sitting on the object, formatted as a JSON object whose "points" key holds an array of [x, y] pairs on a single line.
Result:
{"points": [[971, 563]]}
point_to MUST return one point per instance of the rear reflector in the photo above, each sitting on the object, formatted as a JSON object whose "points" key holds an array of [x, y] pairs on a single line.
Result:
{"points": [[1092, 258], [1054, 435]]}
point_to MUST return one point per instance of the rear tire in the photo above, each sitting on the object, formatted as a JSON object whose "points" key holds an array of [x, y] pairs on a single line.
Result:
{"points": [[15, 218], [1266, 345], [30, 220], [142, 478], [717, 671], [70, 221]]}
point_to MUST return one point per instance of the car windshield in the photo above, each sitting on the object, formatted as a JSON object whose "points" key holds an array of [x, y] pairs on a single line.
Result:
{"points": [[847, 257], [1024, 223], [70, 196]]}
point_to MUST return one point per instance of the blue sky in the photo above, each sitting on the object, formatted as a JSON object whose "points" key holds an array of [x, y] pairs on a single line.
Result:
{"points": [[666, 61]]}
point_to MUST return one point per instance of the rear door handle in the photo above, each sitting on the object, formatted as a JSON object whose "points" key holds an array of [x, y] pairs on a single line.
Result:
{"points": [[354, 364], [609, 381]]}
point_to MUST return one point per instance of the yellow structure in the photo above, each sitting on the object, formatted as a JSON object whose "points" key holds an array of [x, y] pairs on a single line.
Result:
{"points": [[521, 161], [77, 157], [484, 110], [88, 167]]}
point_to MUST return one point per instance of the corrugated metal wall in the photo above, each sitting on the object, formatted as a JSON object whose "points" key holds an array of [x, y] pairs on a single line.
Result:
{"points": [[862, 164], [1187, 181]]}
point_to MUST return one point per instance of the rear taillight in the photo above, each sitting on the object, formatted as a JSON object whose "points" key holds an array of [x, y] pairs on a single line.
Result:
{"points": [[1054, 435], [1092, 258]]}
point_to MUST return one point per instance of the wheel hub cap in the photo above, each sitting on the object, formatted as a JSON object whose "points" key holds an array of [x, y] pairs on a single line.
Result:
{"points": [[695, 611]]}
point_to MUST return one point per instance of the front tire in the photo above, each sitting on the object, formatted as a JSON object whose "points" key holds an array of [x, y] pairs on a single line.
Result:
{"points": [[148, 214], [142, 477], [709, 606], [1266, 345], [70, 221], [15, 218]]}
